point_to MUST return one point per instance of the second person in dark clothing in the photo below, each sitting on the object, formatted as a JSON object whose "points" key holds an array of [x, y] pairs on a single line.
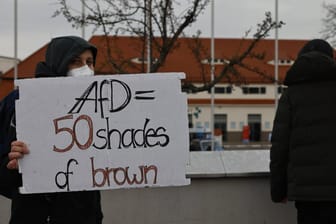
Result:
{"points": [[303, 148]]}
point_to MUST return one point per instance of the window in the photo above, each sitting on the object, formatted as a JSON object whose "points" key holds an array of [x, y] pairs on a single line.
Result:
{"points": [[263, 90], [190, 120], [217, 61], [286, 62], [233, 125], [281, 89], [220, 121], [254, 121], [219, 90], [254, 90], [282, 62], [207, 124], [143, 60], [222, 90]]}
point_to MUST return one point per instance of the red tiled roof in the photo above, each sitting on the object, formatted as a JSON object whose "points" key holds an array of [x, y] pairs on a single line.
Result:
{"points": [[180, 60], [232, 101], [26, 69]]}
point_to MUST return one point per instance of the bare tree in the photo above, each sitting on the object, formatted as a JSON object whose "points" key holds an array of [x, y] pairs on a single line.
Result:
{"points": [[162, 22], [329, 31], [230, 71], [144, 19]]}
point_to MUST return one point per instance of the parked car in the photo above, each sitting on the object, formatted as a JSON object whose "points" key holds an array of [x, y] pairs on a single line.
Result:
{"points": [[199, 133], [204, 145]]}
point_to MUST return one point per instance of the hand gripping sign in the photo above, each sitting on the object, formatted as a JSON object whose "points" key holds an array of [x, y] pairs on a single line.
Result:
{"points": [[103, 132]]}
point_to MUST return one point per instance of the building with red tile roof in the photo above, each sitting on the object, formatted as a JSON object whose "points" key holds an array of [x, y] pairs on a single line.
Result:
{"points": [[252, 102]]}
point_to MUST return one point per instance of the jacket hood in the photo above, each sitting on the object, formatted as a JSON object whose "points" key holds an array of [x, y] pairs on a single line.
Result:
{"points": [[310, 67], [319, 45], [60, 52]]}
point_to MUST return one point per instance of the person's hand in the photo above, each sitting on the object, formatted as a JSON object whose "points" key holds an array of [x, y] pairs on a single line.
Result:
{"points": [[18, 150]]}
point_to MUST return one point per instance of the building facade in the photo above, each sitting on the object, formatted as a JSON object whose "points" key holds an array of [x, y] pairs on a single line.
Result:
{"points": [[234, 108], [237, 102]]}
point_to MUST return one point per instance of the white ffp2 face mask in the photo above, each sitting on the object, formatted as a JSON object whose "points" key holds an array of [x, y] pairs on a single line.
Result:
{"points": [[81, 71]]}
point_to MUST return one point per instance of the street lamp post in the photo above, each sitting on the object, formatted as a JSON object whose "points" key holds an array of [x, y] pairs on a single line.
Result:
{"points": [[83, 19], [276, 58], [15, 42], [212, 126], [148, 10]]}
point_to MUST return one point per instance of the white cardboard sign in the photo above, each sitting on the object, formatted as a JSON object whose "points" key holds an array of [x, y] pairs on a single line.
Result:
{"points": [[103, 132]]}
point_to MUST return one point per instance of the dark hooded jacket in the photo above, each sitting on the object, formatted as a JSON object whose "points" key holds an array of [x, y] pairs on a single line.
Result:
{"points": [[59, 208], [303, 151], [59, 54]]}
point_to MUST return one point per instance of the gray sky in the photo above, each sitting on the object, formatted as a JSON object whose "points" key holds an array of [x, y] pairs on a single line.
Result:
{"points": [[36, 26]]}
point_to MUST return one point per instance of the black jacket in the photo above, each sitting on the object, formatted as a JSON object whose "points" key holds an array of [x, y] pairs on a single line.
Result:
{"points": [[303, 151], [59, 208], [7, 134]]}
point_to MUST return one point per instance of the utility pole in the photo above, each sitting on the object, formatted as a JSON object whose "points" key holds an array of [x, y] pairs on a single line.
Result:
{"points": [[212, 120], [15, 42], [276, 58], [83, 19], [149, 34]]}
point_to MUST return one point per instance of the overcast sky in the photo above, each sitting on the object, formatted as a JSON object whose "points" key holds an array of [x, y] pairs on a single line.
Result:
{"points": [[36, 26]]}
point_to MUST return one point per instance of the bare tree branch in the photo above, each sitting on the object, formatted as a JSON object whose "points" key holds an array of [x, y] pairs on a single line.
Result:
{"points": [[229, 68], [165, 26], [329, 31]]}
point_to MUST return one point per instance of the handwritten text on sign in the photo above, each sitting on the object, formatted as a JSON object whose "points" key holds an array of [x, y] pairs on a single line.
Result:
{"points": [[103, 132]]}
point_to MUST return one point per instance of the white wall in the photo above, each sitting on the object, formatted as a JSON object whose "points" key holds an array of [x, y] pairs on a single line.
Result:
{"points": [[6, 63], [236, 114]]}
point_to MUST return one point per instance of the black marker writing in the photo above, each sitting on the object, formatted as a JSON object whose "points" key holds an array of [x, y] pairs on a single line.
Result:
{"points": [[65, 176], [93, 89], [144, 137], [137, 93]]}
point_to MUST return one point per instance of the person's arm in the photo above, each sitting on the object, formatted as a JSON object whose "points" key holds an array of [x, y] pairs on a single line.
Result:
{"points": [[280, 150]]}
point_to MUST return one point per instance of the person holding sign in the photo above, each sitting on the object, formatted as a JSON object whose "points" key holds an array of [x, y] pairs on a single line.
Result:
{"points": [[65, 56]]}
